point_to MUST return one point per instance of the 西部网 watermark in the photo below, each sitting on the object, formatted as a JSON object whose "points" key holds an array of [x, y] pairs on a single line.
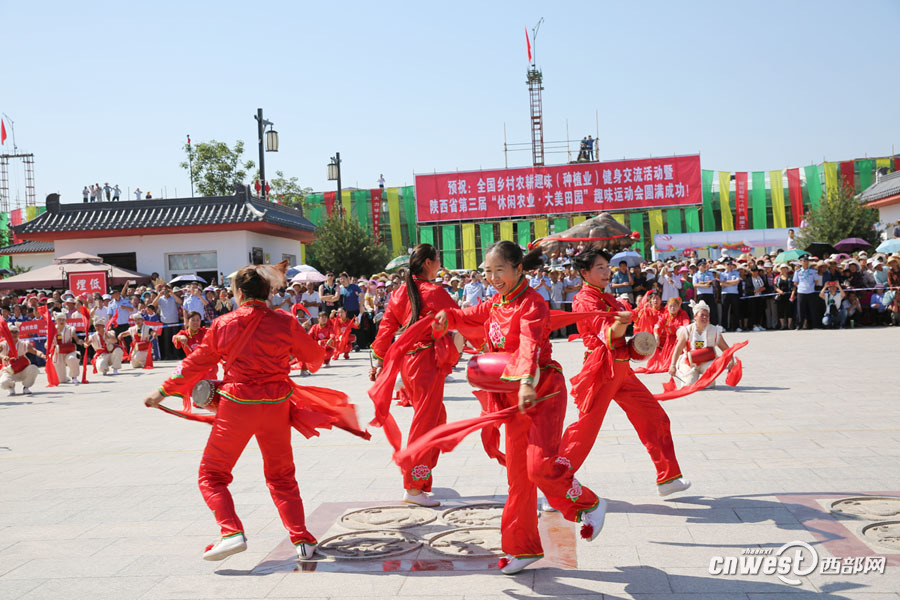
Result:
{"points": [[793, 560]]}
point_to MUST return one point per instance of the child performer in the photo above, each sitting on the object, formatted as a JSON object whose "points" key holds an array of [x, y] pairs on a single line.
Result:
{"points": [[648, 312], [517, 321], [607, 376], [342, 332], [665, 330], [423, 369], [258, 344], [322, 332]]}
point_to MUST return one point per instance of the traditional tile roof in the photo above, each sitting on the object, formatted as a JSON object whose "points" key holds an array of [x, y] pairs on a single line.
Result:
{"points": [[27, 248], [889, 185], [163, 214]]}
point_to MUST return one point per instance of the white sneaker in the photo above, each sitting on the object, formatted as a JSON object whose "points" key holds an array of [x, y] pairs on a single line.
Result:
{"points": [[225, 547], [306, 551], [671, 487], [11, 393], [26, 391], [510, 565], [423, 499], [592, 521], [739, 330], [115, 371]]}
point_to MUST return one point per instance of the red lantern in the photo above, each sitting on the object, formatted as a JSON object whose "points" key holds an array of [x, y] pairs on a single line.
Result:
{"points": [[746, 249], [686, 252]]}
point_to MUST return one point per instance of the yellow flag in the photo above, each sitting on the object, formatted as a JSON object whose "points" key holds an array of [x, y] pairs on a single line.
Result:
{"points": [[620, 217], [393, 198], [656, 223], [345, 199], [468, 243], [883, 162], [541, 228], [506, 231], [30, 212], [302, 254], [725, 200], [831, 178], [776, 184], [578, 219]]}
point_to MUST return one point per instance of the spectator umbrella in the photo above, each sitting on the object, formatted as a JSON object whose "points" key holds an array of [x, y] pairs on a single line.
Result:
{"points": [[307, 276], [187, 279], [820, 249], [891, 245], [629, 256], [301, 269], [790, 255], [397, 263], [851, 244]]}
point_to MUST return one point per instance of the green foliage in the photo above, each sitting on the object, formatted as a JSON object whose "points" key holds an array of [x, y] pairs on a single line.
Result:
{"points": [[287, 190], [216, 167], [839, 216], [19, 270], [343, 245]]}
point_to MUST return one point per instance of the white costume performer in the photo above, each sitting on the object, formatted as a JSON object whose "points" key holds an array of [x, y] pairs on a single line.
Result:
{"points": [[141, 336], [107, 352], [19, 369], [688, 371], [65, 356]]}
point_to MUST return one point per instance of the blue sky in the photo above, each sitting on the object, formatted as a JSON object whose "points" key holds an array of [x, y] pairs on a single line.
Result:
{"points": [[107, 91]]}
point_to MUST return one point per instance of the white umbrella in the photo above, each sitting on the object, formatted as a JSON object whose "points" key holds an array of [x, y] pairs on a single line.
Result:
{"points": [[300, 269], [629, 256], [307, 276]]}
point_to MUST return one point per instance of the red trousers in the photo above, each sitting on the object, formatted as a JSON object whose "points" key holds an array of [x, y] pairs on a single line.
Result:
{"points": [[646, 415], [532, 444], [235, 424], [424, 385]]}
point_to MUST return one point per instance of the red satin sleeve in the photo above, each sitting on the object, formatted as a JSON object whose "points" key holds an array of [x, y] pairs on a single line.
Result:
{"points": [[533, 318]]}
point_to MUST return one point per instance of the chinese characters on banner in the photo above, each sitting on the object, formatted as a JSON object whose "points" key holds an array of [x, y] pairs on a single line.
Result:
{"points": [[87, 282], [28, 329], [588, 187], [376, 211], [740, 200]]}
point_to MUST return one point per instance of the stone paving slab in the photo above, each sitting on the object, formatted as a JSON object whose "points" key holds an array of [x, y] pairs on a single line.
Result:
{"points": [[99, 496]]}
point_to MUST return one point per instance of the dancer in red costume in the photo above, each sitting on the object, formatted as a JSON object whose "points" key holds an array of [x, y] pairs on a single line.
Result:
{"points": [[322, 333], [257, 344], [517, 321], [648, 312], [665, 330], [607, 376], [342, 332], [423, 368]]}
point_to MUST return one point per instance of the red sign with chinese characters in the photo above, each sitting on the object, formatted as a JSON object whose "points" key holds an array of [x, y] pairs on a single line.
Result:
{"points": [[584, 187], [740, 200], [87, 282]]}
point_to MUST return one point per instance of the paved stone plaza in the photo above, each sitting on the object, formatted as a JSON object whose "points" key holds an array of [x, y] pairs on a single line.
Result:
{"points": [[99, 495]]}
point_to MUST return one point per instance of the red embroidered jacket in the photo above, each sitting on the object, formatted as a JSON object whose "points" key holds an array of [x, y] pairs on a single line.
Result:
{"points": [[596, 332], [434, 299], [517, 322], [194, 340], [258, 371]]}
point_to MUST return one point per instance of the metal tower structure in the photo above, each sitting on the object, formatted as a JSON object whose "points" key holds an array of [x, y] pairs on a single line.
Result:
{"points": [[535, 81], [30, 196]]}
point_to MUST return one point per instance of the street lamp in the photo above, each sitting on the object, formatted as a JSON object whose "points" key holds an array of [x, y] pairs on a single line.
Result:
{"points": [[334, 174], [271, 138]]}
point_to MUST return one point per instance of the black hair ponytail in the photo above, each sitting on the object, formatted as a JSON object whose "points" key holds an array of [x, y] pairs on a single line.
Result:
{"points": [[417, 259]]}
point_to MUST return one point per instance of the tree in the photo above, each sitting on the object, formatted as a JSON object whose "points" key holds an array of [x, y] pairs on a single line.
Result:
{"points": [[287, 190], [839, 216], [216, 167], [343, 245]]}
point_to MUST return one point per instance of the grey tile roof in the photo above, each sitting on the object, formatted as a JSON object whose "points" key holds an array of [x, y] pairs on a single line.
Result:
{"points": [[27, 248], [888, 186], [163, 214]]}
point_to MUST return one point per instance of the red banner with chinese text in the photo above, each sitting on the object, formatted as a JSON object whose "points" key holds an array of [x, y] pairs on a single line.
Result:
{"points": [[742, 218], [87, 282], [796, 195], [376, 211], [584, 187]]}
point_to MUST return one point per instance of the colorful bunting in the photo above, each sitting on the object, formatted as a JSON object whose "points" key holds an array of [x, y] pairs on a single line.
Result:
{"points": [[393, 195], [725, 200], [796, 195], [814, 185], [831, 179], [709, 217], [758, 199], [776, 184], [448, 246], [848, 175], [470, 262]]}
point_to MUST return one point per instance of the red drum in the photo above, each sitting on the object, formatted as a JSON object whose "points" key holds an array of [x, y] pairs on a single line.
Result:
{"points": [[142, 346], [484, 371], [204, 394], [642, 346], [19, 364], [66, 348], [702, 355]]}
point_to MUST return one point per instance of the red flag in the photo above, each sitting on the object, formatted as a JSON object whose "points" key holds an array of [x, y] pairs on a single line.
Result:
{"points": [[329, 198], [528, 42], [740, 200], [848, 175], [2, 132], [794, 190]]}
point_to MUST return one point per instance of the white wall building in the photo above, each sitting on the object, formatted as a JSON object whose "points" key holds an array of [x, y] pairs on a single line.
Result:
{"points": [[210, 237], [29, 255]]}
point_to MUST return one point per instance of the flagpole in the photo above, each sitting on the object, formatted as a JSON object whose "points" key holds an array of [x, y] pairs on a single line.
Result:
{"points": [[190, 163]]}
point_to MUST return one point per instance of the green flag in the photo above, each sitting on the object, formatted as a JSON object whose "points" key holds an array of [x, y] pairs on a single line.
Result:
{"points": [[758, 199], [4, 227], [409, 208], [361, 200], [487, 237], [866, 168], [673, 220], [709, 217], [636, 222], [426, 234], [692, 219], [523, 233], [813, 185], [560, 225], [448, 246]]}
